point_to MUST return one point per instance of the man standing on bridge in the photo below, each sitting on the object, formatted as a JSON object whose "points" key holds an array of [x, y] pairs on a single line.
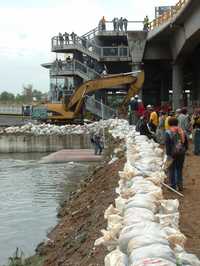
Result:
{"points": [[146, 24], [125, 23]]}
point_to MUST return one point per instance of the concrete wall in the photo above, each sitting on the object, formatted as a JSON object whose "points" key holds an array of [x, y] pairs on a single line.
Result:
{"points": [[28, 143]]}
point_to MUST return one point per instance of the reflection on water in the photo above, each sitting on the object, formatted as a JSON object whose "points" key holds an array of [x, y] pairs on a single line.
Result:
{"points": [[29, 197]]}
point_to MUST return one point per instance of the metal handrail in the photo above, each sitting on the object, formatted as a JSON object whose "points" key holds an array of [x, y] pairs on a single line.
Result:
{"points": [[85, 44], [91, 47], [92, 33], [167, 15], [98, 108]]}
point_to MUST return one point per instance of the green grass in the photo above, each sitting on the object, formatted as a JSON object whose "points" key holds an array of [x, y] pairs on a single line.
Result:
{"points": [[18, 259]]}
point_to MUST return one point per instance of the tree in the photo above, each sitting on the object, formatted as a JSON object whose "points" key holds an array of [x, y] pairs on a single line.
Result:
{"points": [[7, 97]]}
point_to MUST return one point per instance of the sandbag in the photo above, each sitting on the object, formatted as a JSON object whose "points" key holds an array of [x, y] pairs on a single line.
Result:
{"points": [[116, 258], [136, 215], [152, 262], [154, 251], [142, 201], [111, 210], [147, 240], [187, 259], [169, 206], [171, 220], [141, 228]]}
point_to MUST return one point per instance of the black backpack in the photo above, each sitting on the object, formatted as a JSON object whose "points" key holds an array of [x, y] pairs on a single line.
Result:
{"points": [[178, 148]]}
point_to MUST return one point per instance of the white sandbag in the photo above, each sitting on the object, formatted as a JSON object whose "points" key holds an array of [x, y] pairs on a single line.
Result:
{"points": [[111, 210], [145, 187], [142, 201], [120, 203], [109, 238], [184, 258], [171, 220], [169, 206], [147, 240], [138, 214], [154, 251], [116, 258], [152, 262], [157, 178], [142, 228], [187, 259], [114, 219], [175, 237]]}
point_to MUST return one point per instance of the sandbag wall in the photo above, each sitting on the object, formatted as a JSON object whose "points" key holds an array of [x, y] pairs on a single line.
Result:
{"points": [[142, 227]]}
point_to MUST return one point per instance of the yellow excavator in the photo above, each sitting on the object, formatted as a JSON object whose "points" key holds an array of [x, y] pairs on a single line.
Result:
{"points": [[69, 111]]}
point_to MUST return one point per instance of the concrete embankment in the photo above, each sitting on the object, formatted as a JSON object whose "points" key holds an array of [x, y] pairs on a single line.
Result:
{"points": [[19, 143]]}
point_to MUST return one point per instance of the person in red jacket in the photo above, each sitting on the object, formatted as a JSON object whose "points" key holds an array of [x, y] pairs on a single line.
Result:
{"points": [[141, 108]]}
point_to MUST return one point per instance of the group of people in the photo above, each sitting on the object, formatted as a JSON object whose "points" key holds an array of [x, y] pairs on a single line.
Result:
{"points": [[171, 129], [66, 38], [120, 24]]}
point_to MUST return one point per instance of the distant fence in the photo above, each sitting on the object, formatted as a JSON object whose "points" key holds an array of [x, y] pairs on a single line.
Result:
{"points": [[13, 110]]}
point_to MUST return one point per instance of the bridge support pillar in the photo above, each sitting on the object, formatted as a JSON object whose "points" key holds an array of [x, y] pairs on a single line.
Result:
{"points": [[177, 85], [165, 86], [196, 87], [136, 66]]}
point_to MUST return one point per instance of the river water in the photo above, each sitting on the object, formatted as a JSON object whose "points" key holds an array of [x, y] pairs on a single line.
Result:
{"points": [[30, 194]]}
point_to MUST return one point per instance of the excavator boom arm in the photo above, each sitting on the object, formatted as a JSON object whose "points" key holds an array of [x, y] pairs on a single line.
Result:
{"points": [[99, 84]]}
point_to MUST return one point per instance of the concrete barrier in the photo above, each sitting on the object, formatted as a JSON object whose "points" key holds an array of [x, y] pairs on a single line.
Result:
{"points": [[30, 143]]}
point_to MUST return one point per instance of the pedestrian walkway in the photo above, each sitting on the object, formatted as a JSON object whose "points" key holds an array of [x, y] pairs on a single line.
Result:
{"points": [[75, 155]]}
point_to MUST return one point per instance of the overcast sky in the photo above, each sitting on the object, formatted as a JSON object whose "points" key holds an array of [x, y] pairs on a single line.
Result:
{"points": [[26, 28]]}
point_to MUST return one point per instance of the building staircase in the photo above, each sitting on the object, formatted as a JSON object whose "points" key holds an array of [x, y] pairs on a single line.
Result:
{"points": [[98, 108]]}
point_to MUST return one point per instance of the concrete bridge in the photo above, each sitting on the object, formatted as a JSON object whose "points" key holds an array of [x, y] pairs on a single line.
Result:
{"points": [[172, 53]]}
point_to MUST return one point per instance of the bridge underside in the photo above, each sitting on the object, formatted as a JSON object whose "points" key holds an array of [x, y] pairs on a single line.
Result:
{"points": [[172, 60]]}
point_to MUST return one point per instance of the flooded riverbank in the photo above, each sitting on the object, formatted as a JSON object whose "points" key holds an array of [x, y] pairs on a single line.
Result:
{"points": [[30, 196]]}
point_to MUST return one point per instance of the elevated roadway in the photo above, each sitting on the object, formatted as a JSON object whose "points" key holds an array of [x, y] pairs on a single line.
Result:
{"points": [[173, 43]]}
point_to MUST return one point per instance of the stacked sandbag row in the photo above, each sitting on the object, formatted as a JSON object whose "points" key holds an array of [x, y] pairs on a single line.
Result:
{"points": [[143, 228], [49, 129]]}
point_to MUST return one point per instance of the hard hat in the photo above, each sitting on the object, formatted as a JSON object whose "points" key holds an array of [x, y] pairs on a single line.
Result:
{"points": [[132, 98], [149, 106], [136, 96]]}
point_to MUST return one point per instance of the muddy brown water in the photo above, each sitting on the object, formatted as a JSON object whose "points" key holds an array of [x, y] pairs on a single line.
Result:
{"points": [[30, 194]]}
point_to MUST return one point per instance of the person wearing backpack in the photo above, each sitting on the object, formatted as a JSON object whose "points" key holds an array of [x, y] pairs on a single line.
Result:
{"points": [[196, 131], [176, 146]]}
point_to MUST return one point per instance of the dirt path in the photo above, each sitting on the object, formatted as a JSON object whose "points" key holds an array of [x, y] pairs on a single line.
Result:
{"points": [[190, 204]]}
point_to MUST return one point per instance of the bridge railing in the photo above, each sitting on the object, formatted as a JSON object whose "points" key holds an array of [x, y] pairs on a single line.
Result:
{"points": [[112, 51], [167, 15], [73, 66], [109, 27]]}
